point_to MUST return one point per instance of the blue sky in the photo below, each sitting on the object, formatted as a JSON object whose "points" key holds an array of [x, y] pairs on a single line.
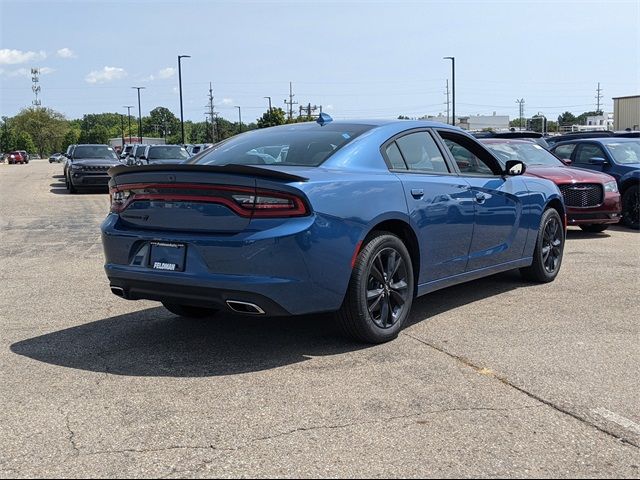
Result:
{"points": [[359, 59]]}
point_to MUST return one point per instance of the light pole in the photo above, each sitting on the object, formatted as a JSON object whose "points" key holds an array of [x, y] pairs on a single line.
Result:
{"points": [[239, 117], [453, 86], [269, 104], [180, 57], [129, 107], [139, 114]]}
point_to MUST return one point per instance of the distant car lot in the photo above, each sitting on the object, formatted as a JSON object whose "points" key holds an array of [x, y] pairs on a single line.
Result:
{"points": [[495, 377]]}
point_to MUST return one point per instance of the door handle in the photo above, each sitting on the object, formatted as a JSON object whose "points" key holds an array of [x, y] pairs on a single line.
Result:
{"points": [[417, 193], [480, 197]]}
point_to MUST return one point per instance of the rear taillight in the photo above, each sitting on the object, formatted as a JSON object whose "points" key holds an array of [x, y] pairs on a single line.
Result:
{"points": [[244, 201]]}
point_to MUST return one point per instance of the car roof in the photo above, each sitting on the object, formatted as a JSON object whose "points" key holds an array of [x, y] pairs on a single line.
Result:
{"points": [[603, 140]]}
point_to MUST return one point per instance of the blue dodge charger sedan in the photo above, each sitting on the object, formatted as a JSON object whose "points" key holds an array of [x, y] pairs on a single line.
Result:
{"points": [[356, 218]]}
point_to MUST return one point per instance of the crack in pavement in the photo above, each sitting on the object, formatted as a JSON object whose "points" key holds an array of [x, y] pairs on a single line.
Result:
{"points": [[487, 372]]}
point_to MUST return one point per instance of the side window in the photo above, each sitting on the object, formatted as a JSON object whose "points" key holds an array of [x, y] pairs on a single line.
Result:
{"points": [[469, 158], [421, 153], [565, 151], [588, 151], [395, 157]]}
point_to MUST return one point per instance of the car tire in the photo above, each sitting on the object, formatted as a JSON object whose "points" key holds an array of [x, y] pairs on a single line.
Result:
{"points": [[547, 255], [380, 292], [594, 228], [189, 311], [631, 207], [70, 186]]}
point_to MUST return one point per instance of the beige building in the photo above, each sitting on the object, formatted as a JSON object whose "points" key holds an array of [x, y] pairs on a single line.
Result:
{"points": [[626, 112]]}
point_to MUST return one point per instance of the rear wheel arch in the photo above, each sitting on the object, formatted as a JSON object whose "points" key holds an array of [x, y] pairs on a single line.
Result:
{"points": [[404, 232]]}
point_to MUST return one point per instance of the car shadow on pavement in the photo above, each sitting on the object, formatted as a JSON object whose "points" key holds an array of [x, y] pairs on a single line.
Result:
{"points": [[156, 343], [582, 235]]}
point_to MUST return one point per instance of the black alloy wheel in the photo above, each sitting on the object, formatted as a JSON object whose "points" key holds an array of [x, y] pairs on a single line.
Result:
{"points": [[387, 288], [631, 207], [549, 249], [380, 292]]}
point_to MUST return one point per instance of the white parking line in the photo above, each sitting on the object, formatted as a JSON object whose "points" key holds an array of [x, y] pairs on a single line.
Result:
{"points": [[620, 420]]}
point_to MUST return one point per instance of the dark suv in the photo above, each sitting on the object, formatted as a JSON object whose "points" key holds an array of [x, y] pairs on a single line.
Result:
{"points": [[618, 157], [87, 167]]}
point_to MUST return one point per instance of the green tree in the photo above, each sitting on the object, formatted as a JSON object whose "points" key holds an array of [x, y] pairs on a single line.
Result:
{"points": [[517, 123], [45, 127], [7, 135], [162, 122], [567, 118], [24, 141], [582, 118], [272, 118]]}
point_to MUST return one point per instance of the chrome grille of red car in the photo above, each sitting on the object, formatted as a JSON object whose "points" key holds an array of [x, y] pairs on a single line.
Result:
{"points": [[582, 195]]}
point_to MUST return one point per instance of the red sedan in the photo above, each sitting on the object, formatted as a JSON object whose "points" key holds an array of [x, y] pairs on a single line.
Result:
{"points": [[592, 198]]}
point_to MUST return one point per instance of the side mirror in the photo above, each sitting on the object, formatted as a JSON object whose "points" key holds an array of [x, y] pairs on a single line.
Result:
{"points": [[515, 167], [598, 161], [566, 161]]}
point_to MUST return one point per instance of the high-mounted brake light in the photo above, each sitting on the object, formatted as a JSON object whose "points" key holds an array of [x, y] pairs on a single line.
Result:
{"points": [[244, 201]]}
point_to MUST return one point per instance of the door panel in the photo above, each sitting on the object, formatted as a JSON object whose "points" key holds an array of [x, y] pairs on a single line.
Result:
{"points": [[442, 211], [498, 236]]}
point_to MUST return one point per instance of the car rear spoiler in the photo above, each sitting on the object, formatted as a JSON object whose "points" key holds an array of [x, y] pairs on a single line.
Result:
{"points": [[248, 170]]}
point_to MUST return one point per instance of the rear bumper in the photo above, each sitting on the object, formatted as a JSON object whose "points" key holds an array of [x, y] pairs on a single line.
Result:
{"points": [[607, 213], [284, 269]]}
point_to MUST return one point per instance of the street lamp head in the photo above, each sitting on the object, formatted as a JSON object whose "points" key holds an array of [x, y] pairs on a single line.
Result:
{"points": [[139, 88], [448, 58], [184, 56]]}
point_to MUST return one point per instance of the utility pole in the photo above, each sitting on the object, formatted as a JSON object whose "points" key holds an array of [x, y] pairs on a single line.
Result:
{"points": [[239, 117], [180, 57], [453, 85], [521, 104], [139, 114], [129, 107], [212, 114], [290, 103], [599, 97], [122, 131], [447, 92]]}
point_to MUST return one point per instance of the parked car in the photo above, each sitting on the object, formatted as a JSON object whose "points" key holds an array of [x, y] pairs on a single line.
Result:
{"points": [[591, 198], [16, 157], [25, 156], [616, 156], [134, 155], [356, 218], [535, 137], [56, 158], [88, 165], [163, 154], [553, 140]]}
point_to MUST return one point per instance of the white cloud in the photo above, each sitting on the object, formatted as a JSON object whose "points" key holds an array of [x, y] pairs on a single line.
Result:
{"points": [[167, 72], [46, 70], [66, 53], [227, 101], [13, 57], [107, 74]]}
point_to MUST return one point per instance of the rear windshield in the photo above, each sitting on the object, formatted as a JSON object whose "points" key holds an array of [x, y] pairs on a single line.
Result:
{"points": [[169, 152], [282, 146], [94, 151], [625, 152]]}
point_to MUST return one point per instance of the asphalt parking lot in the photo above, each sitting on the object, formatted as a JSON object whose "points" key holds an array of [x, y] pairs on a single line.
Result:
{"points": [[493, 378]]}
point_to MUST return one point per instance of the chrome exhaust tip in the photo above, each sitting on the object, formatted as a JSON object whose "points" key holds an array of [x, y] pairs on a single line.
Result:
{"points": [[245, 307], [119, 291]]}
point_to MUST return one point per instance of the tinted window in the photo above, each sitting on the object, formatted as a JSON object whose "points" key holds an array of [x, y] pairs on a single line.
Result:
{"points": [[565, 151], [421, 153], [466, 159], [587, 152], [529, 153], [303, 146], [167, 152], [625, 152], [94, 151], [395, 157]]}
